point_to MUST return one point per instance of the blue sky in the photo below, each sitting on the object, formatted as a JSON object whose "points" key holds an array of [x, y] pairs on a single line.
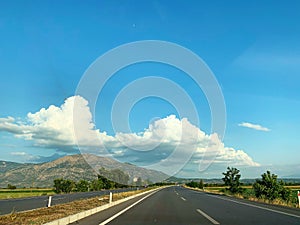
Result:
{"points": [[253, 49]]}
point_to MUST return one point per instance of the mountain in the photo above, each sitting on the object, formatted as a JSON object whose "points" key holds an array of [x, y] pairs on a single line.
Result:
{"points": [[72, 167]]}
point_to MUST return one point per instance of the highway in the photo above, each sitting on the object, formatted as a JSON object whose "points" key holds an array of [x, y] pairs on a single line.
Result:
{"points": [[22, 204], [179, 206]]}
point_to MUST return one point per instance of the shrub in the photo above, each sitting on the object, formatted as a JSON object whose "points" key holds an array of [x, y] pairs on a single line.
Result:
{"points": [[9, 186], [269, 188]]}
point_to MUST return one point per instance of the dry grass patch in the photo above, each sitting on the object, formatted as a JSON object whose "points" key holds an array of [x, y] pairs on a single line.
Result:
{"points": [[218, 190]]}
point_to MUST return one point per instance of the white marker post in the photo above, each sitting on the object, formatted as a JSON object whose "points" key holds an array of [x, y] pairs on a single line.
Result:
{"points": [[299, 198], [49, 201], [110, 197]]}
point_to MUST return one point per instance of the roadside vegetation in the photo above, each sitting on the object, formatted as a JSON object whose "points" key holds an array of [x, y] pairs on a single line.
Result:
{"points": [[47, 214], [106, 179], [195, 184], [44, 215], [267, 189], [61, 185]]}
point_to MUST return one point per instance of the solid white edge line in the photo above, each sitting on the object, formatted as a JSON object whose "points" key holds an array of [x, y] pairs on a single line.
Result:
{"points": [[183, 198], [259, 207], [208, 217], [124, 210]]}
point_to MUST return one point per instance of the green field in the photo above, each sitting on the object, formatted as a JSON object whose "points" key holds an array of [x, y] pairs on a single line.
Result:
{"points": [[23, 193]]}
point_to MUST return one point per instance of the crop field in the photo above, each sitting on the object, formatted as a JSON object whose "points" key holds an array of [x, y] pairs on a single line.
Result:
{"points": [[23, 193]]}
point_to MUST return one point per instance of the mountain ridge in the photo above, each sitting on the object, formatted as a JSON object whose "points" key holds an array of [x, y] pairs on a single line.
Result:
{"points": [[73, 167]]}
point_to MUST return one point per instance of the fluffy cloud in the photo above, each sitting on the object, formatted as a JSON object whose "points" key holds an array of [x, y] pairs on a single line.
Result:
{"points": [[254, 126], [18, 153], [54, 126], [169, 140], [26, 157]]}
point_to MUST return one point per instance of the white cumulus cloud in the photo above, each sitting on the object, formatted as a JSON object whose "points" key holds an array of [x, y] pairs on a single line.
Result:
{"points": [[18, 153], [254, 126], [64, 127]]}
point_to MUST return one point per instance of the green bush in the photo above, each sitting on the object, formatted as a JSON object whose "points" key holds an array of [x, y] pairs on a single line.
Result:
{"points": [[269, 188], [11, 187]]}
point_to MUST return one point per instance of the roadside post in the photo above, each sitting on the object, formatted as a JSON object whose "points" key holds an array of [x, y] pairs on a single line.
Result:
{"points": [[299, 198], [110, 197], [49, 201]]}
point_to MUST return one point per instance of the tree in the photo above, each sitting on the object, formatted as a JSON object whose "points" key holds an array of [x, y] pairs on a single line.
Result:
{"points": [[58, 185], [232, 179], [107, 184], [9, 186], [268, 187], [61, 185], [67, 186], [201, 184], [82, 186], [193, 184], [97, 185]]}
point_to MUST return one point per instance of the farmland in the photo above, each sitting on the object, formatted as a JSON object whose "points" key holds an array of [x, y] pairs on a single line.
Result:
{"points": [[23, 193]]}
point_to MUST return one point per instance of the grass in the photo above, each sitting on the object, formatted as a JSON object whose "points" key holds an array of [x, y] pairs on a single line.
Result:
{"points": [[293, 201], [249, 194], [44, 215], [23, 193], [294, 187]]}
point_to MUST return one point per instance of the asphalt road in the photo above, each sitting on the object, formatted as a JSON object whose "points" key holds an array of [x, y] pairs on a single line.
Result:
{"points": [[177, 205], [22, 204]]}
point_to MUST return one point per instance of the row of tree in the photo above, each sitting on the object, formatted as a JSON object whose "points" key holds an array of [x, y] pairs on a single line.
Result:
{"points": [[106, 179], [195, 184], [67, 186], [11, 187]]}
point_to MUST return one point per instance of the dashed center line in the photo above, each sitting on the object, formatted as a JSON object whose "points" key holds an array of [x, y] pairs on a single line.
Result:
{"points": [[183, 198]]}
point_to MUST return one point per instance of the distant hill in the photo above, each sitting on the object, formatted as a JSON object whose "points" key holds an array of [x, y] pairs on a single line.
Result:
{"points": [[72, 167]]}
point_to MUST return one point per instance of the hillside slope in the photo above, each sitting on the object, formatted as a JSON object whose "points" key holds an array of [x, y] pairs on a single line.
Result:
{"points": [[72, 167]]}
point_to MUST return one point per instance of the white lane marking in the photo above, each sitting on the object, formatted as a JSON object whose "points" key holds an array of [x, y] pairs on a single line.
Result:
{"points": [[183, 198], [207, 217], [256, 206], [124, 210], [177, 193]]}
